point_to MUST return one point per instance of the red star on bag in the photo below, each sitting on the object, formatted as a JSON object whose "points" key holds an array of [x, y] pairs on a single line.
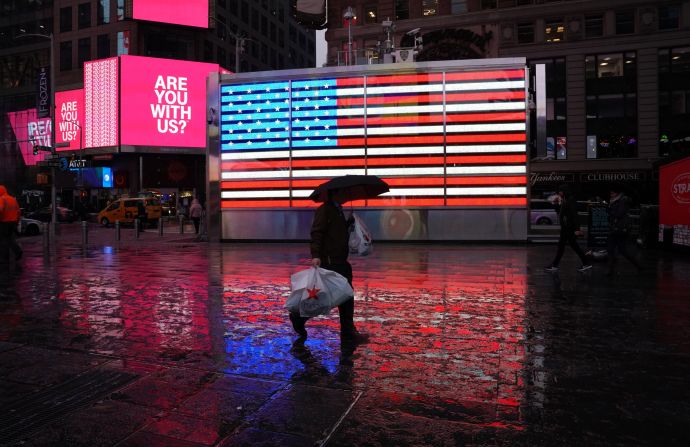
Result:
{"points": [[313, 293]]}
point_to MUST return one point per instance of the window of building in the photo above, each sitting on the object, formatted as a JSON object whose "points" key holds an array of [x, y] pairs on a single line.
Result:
{"points": [[524, 2], [556, 110], [66, 56], [102, 46], [120, 10], [222, 3], [255, 20], [208, 51], [525, 32], [84, 15], [65, 20], [669, 17], [103, 12], [233, 7], [371, 13], [264, 26], [611, 104], [245, 12], [429, 8], [488, 4], [594, 26], [221, 58], [264, 53], [274, 33], [402, 9], [625, 22], [221, 31], [122, 42], [83, 51], [458, 6], [554, 30], [674, 101]]}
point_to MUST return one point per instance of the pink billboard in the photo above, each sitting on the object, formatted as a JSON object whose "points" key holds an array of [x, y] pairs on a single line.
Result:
{"points": [[179, 12], [69, 118], [29, 131], [163, 102], [101, 103]]}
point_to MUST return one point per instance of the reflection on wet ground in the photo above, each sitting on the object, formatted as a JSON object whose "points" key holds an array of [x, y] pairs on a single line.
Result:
{"points": [[470, 345]]}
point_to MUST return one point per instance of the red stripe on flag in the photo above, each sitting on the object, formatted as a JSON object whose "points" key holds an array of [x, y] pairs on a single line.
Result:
{"points": [[422, 78], [312, 204], [493, 180], [327, 162], [405, 201], [424, 98], [383, 141], [488, 159], [487, 138], [256, 184], [482, 75], [310, 183], [254, 203], [417, 181], [247, 165], [484, 96], [487, 201], [479, 117], [350, 82], [404, 161]]}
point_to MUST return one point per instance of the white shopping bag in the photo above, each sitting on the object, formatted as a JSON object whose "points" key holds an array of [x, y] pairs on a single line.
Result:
{"points": [[360, 238], [316, 291]]}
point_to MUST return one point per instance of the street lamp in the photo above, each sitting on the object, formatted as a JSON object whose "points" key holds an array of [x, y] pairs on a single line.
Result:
{"points": [[239, 42], [53, 190], [348, 15]]}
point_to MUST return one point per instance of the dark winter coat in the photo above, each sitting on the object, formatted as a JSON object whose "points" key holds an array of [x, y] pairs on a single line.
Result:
{"points": [[567, 215], [618, 214], [330, 234]]}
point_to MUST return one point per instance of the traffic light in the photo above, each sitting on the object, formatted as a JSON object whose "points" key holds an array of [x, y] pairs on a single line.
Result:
{"points": [[35, 150]]}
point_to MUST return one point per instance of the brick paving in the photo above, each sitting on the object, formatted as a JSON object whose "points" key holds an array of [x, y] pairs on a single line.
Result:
{"points": [[470, 345]]}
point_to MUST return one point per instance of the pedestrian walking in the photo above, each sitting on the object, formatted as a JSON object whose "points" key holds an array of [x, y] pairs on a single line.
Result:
{"points": [[10, 213], [619, 223], [195, 212], [330, 232], [566, 206]]}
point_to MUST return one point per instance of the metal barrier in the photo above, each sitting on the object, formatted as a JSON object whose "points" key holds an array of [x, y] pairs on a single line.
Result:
{"points": [[46, 235], [117, 230], [137, 223], [160, 226], [181, 224]]}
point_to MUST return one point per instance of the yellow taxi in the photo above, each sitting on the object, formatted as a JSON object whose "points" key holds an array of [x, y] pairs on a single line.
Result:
{"points": [[125, 210]]}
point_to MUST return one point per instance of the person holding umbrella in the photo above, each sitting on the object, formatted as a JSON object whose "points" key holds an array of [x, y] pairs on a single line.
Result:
{"points": [[330, 233], [618, 228], [566, 206]]}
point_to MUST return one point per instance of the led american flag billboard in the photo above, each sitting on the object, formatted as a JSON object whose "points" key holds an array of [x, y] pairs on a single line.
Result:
{"points": [[441, 139]]}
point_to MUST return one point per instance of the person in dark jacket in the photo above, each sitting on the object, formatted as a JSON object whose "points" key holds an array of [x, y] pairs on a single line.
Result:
{"points": [[330, 233], [618, 229], [566, 206]]}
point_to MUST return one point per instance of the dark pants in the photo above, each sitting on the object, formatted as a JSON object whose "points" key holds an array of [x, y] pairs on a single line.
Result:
{"points": [[197, 221], [617, 244], [347, 309], [5, 242], [568, 237]]}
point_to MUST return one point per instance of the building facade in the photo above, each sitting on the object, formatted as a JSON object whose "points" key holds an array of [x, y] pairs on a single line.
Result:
{"points": [[86, 30], [617, 74]]}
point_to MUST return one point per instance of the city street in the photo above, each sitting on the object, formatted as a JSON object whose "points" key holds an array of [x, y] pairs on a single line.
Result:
{"points": [[164, 341]]}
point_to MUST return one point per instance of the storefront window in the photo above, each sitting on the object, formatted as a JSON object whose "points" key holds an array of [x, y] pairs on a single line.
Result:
{"points": [[674, 101], [103, 11], [556, 109]]}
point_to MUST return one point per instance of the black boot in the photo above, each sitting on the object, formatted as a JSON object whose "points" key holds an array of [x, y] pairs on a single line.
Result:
{"points": [[298, 325]]}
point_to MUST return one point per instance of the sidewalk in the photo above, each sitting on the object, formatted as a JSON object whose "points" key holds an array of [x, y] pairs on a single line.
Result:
{"points": [[144, 343]]}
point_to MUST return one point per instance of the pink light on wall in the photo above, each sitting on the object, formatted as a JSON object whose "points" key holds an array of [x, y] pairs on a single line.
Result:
{"points": [[69, 118], [179, 12], [163, 102], [29, 131], [101, 103]]}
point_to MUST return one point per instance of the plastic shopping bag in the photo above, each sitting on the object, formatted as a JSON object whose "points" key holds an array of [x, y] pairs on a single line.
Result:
{"points": [[316, 291], [360, 238]]}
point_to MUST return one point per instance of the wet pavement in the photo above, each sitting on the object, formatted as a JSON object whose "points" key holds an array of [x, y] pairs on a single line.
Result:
{"points": [[164, 341]]}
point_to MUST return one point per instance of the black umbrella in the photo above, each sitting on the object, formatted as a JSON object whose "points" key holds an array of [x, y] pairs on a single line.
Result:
{"points": [[355, 187]]}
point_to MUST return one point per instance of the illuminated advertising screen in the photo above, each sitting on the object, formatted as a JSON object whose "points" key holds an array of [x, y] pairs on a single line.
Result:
{"points": [[101, 103], [29, 130], [163, 102], [178, 12], [674, 193], [69, 118], [442, 139]]}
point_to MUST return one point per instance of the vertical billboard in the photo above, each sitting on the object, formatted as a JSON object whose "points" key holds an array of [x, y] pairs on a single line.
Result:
{"points": [[178, 12], [163, 102], [69, 119], [674, 193], [101, 108], [442, 139], [29, 130]]}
